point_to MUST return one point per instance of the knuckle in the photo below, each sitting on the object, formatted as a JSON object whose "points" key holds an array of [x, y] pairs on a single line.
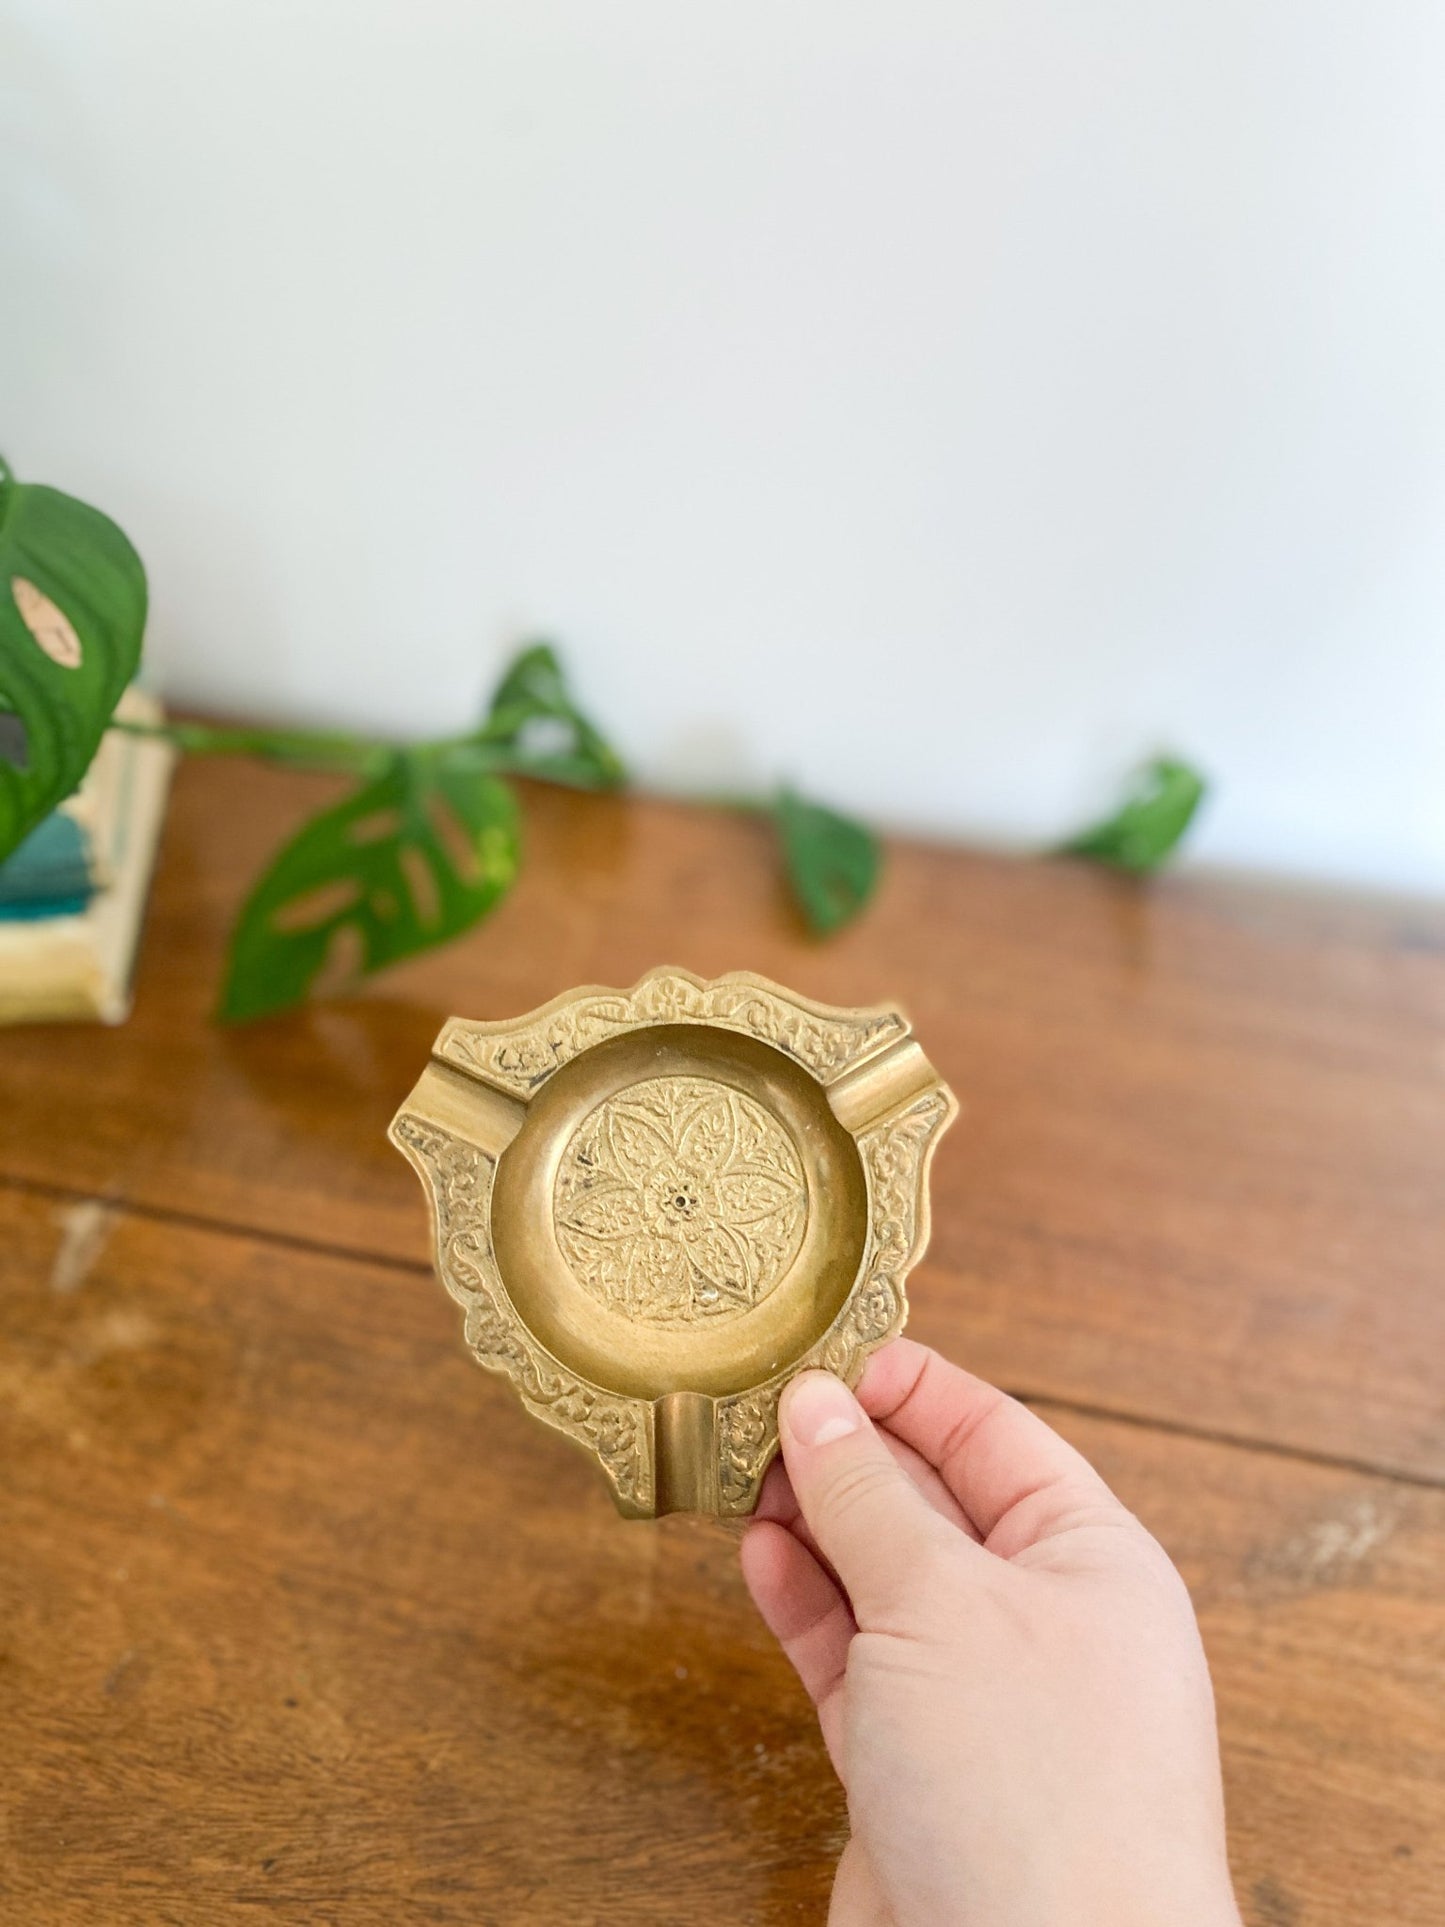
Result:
{"points": [[1085, 1505], [858, 1489]]}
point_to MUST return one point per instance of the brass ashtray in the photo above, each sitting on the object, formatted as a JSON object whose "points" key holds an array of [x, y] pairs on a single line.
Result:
{"points": [[656, 1205]]}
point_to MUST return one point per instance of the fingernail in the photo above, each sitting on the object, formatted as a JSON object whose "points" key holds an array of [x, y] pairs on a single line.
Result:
{"points": [[818, 1408]]}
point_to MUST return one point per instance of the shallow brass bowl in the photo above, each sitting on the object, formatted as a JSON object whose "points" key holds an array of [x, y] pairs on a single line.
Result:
{"points": [[655, 1206]]}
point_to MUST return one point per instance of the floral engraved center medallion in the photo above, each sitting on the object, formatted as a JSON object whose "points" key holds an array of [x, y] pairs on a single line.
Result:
{"points": [[678, 1200]]}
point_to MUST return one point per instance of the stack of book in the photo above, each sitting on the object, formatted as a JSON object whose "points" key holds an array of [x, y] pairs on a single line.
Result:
{"points": [[72, 895]]}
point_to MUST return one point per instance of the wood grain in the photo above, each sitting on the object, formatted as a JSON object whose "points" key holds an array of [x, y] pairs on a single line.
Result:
{"points": [[1201, 1171], [304, 1620]]}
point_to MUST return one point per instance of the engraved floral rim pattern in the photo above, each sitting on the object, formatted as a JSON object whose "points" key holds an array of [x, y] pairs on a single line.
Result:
{"points": [[679, 1200], [518, 1056]]}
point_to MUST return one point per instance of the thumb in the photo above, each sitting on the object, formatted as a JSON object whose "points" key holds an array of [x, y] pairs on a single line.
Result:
{"points": [[871, 1523]]}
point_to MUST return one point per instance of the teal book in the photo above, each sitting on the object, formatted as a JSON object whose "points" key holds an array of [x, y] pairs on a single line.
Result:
{"points": [[37, 909], [55, 864], [73, 854]]}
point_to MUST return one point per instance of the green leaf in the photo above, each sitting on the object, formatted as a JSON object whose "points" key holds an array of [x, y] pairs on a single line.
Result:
{"points": [[405, 862], [72, 613], [534, 676], [832, 862], [1148, 827], [534, 728]]}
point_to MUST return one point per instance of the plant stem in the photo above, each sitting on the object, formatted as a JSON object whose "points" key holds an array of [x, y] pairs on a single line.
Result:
{"points": [[341, 754], [300, 748], [746, 803], [337, 753]]}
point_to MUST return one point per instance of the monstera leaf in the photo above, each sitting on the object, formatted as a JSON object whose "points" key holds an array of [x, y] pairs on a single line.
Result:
{"points": [[422, 850], [408, 860], [1148, 827], [72, 612], [535, 729], [832, 862]]}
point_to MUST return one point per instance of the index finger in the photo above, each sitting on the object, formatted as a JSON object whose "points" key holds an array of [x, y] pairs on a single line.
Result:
{"points": [[1012, 1474]]}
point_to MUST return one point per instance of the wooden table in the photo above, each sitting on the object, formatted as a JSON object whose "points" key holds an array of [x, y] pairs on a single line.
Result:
{"points": [[302, 1620]]}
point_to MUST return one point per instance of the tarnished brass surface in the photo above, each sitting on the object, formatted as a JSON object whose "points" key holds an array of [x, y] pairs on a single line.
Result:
{"points": [[656, 1205]]}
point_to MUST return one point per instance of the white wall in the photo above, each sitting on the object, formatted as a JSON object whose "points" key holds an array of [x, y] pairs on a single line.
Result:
{"points": [[944, 401]]}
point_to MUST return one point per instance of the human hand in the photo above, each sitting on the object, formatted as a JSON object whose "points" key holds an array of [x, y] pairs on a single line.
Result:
{"points": [[1006, 1666]]}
